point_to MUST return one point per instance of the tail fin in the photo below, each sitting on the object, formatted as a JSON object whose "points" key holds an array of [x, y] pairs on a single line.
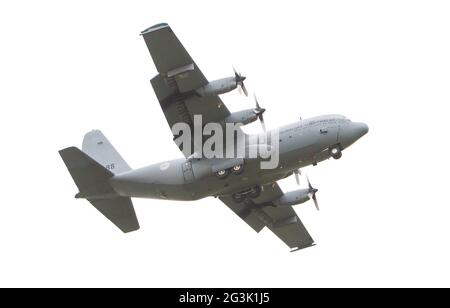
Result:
{"points": [[99, 148], [92, 180]]}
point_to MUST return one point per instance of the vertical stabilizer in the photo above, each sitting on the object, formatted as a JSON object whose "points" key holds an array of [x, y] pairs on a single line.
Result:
{"points": [[97, 146]]}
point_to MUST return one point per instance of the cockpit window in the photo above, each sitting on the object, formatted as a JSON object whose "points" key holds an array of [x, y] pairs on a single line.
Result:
{"points": [[321, 122], [326, 121]]}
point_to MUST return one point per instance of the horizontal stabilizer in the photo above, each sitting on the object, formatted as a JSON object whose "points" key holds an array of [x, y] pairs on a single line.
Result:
{"points": [[92, 180], [119, 211]]}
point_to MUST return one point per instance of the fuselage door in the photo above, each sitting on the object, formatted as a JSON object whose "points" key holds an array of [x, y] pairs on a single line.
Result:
{"points": [[330, 133]]}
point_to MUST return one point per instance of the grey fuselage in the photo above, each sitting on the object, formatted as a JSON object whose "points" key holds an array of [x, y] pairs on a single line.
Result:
{"points": [[302, 143]]}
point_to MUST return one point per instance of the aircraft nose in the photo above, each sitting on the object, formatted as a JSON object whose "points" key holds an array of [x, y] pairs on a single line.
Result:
{"points": [[352, 132], [361, 129]]}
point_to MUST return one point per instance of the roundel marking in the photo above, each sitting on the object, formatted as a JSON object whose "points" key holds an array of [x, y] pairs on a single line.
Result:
{"points": [[164, 166]]}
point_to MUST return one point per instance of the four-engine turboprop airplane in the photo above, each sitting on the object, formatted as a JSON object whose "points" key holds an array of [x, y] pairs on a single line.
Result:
{"points": [[108, 183]]}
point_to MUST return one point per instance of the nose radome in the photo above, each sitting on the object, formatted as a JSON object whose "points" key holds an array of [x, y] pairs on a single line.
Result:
{"points": [[351, 133], [362, 129]]}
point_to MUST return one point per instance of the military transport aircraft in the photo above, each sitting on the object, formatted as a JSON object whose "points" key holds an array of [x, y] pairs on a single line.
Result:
{"points": [[108, 183]]}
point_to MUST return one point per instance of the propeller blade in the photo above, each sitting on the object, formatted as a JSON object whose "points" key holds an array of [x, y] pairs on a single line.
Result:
{"points": [[261, 119], [243, 88], [256, 101], [259, 111], [315, 201], [240, 82], [312, 192], [309, 183]]}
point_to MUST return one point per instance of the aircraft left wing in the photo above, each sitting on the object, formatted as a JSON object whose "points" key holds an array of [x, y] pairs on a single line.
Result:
{"points": [[178, 78], [281, 220]]}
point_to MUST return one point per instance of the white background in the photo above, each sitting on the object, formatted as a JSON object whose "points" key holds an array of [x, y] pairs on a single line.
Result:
{"points": [[69, 67]]}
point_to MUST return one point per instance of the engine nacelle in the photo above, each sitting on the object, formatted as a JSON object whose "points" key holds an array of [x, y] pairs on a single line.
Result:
{"points": [[245, 117], [293, 198], [218, 87]]}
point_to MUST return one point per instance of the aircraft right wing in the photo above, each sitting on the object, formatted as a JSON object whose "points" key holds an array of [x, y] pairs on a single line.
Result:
{"points": [[281, 220]]}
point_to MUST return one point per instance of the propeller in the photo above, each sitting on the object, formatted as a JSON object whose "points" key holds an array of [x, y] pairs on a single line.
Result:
{"points": [[240, 82], [259, 112], [312, 193]]}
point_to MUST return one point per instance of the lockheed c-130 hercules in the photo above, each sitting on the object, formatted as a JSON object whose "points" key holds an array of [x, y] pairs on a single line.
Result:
{"points": [[108, 183]]}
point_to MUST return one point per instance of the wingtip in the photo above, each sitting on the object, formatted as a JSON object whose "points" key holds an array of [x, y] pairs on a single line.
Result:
{"points": [[129, 230], [302, 247], [62, 151], [155, 28]]}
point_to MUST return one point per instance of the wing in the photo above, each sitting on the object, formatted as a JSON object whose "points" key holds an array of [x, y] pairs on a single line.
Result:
{"points": [[283, 221], [178, 79]]}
